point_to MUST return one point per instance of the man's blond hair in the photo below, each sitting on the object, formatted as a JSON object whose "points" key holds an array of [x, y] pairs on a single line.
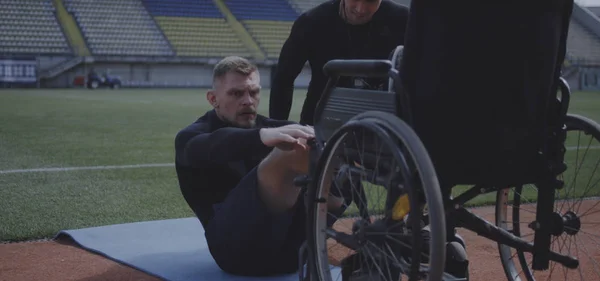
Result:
{"points": [[233, 64]]}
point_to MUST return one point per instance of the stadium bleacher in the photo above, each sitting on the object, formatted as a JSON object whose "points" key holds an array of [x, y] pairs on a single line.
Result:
{"points": [[30, 27], [595, 10], [118, 27], [302, 6], [269, 23], [582, 43], [196, 28], [270, 35], [188, 31]]}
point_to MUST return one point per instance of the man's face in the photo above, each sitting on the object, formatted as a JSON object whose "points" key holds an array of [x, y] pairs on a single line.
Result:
{"points": [[360, 11], [236, 98]]}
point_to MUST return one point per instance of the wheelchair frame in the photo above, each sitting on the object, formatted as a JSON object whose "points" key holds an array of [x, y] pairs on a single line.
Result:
{"points": [[455, 215]]}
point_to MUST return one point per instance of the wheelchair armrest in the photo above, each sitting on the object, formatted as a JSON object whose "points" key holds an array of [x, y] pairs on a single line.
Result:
{"points": [[357, 67]]}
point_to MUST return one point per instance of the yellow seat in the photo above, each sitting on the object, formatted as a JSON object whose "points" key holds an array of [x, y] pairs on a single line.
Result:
{"points": [[202, 37], [270, 35]]}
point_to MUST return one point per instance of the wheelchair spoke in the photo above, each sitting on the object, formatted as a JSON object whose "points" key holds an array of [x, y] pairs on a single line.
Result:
{"points": [[594, 262], [370, 172], [590, 183], [589, 186], [406, 246], [575, 230], [552, 264], [588, 213], [375, 263], [577, 254]]}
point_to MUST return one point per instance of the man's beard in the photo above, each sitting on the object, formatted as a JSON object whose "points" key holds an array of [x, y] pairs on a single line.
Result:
{"points": [[246, 125], [252, 124], [249, 125]]}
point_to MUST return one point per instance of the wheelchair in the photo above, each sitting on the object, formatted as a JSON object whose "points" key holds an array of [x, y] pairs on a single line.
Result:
{"points": [[430, 154]]}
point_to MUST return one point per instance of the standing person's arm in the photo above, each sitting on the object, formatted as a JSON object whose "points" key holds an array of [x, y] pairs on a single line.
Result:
{"points": [[292, 58], [403, 26]]}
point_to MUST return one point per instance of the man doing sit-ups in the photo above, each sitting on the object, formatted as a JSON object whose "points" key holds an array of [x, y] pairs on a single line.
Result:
{"points": [[236, 170]]}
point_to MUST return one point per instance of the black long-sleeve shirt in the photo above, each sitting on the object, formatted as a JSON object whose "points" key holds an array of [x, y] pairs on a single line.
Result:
{"points": [[320, 35], [212, 157]]}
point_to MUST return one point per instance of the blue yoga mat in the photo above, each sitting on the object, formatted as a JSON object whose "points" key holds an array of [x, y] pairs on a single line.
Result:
{"points": [[173, 250]]}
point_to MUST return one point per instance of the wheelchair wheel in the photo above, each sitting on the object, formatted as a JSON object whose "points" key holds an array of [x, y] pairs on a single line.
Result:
{"points": [[376, 162], [577, 210]]}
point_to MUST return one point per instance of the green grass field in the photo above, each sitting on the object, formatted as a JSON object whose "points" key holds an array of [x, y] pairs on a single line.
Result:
{"points": [[78, 128]]}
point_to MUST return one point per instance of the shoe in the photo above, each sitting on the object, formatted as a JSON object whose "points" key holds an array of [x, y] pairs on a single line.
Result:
{"points": [[457, 263]]}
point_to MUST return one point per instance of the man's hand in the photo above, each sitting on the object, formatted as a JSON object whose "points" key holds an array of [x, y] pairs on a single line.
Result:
{"points": [[287, 137]]}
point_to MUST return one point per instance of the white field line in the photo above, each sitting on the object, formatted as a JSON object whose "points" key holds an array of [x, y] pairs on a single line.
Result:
{"points": [[114, 167], [64, 169], [589, 147]]}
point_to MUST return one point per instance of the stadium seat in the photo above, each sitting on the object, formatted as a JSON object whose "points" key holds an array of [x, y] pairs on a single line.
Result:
{"points": [[270, 35], [582, 43], [275, 10], [269, 23], [302, 6], [196, 28], [182, 8], [31, 27], [119, 27]]}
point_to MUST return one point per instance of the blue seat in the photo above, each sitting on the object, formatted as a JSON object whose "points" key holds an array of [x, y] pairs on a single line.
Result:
{"points": [[275, 10], [183, 8]]}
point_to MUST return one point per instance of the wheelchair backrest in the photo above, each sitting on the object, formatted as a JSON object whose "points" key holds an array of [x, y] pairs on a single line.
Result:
{"points": [[338, 105], [482, 79]]}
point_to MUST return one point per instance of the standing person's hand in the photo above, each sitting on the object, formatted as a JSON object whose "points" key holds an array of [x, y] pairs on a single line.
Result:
{"points": [[290, 137]]}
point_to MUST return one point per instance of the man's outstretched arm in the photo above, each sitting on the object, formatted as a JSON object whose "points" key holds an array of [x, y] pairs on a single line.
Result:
{"points": [[292, 58], [221, 146], [276, 173]]}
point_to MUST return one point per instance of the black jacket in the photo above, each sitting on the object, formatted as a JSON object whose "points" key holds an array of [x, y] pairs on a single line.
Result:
{"points": [[211, 157], [320, 35]]}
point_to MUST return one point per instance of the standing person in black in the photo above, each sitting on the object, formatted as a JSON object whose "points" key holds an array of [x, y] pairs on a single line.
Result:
{"points": [[236, 170], [336, 29]]}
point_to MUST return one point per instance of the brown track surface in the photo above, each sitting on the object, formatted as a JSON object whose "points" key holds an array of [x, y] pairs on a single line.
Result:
{"points": [[60, 260]]}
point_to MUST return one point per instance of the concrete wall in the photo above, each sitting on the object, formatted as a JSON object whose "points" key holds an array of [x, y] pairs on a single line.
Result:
{"points": [[160, 75], [199, 75], [47, 62], [589, 79], [573, 81]]}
